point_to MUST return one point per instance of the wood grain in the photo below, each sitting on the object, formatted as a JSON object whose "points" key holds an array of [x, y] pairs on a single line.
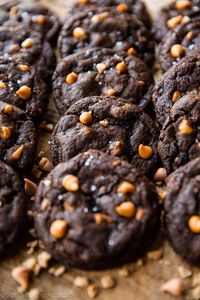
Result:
{"points": [[144, 282]]}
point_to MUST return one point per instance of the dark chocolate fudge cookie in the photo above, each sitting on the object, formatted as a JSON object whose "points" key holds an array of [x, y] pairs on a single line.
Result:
{"points": [[174, 14], [106, 28], [12, 207], [31, 16], [97, 72], [96, 211], [134, 7], [17, 137], [180, 42], [111, 125], [182, 211], [21, 86], [180, 79], [15, 40], [180, 136]]}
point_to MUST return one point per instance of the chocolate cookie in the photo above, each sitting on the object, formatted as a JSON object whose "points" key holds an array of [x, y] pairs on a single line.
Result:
{"points": [[174, 14], [97, 72], [21, 86], [182, 211], [106, 28], [180, 79], [31, 16], [16, 40], [12, 208], [96, 211], [17, 137], [180, 137], [111, 125], [134, 7], [180, 42]]}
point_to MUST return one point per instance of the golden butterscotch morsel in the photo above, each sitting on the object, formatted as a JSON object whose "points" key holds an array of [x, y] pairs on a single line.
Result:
{"points": [[86, 118], [23, 68], [100, 217], [41, 20], [126, 187], [71, 78], [140, 214], [177, 51], [182, 4], [13, 10], [83, 1], [111, 92], [176, 96], [145, 152], [162, 196], [121, 67], [132, 51], [58, 228], [184, 127], [194, 223], [24, 92], [70, 183], [78, 33], [122, 7], [8, 109], [27, 43], [104, 123], [189, 35], [5, 132], [160, 175], [126, 209], [16, 155], [101, 68], [99, 17], [3, 85], [174, 22], [29, 187]]}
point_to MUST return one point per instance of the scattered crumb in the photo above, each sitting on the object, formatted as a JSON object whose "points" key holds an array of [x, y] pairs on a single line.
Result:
{"points": [[173, 287], [81, 281], [92, 291], [107, 282]]}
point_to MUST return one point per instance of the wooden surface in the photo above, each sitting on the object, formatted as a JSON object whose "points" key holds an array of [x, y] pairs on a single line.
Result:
{"points": [[143, 283]]}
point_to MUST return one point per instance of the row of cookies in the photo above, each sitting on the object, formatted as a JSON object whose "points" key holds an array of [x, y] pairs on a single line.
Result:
{"points": [[176, 100], [27, 35]]}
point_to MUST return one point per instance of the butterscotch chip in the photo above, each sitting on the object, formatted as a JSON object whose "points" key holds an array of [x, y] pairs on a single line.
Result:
{"points": [[3, 85], [139, 214], [8, 109], [126, 209], [100, 217], [83, 1], [24, 92], [194, 223], [24, 68], [104, 123], [13, 10], [5, 132], [58, 228], [70, 183], [183, 4], [45, 164], [29, 187], [132, 51], [92, 291], [145, 152], [111, 92], [86, 117], [79, 33], [176, 96], [101, 68], [122, 8], [121, 67], [189, 35], [71, 78], [160, 175], [18, 153], [175, 21], [177, 51], [126, 187], [99, 17], [27, 43], [41, 20], [184, 127]]}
